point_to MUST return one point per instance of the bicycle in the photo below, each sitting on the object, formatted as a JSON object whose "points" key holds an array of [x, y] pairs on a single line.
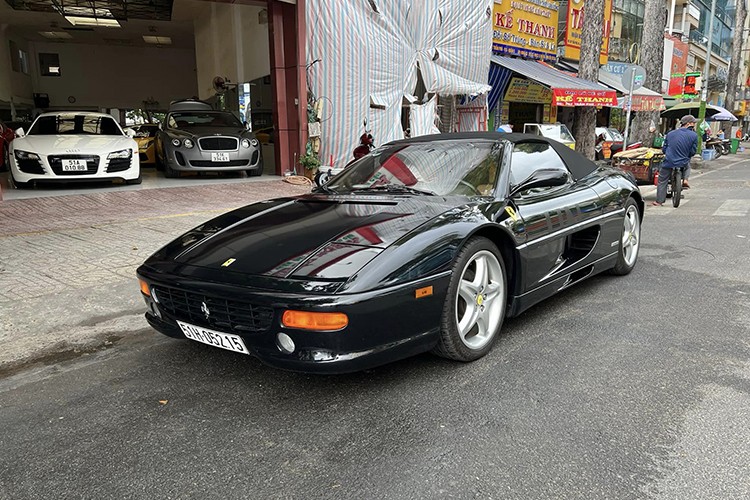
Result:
{"points": [[674, 189]]}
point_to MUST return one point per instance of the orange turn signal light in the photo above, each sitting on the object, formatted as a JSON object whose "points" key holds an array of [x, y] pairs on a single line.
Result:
{"points": [[145, 290], [318, 321]]}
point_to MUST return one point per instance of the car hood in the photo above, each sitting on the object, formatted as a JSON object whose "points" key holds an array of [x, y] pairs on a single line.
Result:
{"points": [[209, 131], [313, 236], [73, 144]]}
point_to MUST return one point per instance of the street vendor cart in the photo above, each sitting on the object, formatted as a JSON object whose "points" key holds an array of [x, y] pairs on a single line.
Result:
{"points": [[643, 163]]}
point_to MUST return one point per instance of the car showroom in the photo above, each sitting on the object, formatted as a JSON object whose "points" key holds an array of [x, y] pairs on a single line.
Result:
{"points": [[103, 94]]}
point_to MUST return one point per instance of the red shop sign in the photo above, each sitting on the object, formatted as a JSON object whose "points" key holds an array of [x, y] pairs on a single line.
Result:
{"points": [[582, 97]]}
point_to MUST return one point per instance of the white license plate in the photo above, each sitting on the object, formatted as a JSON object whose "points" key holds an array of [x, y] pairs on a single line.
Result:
{"points": [[74, 165], [219, 156], [212, 337]]}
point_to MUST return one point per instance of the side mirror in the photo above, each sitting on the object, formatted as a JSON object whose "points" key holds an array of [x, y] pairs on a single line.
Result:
{"points": [[544, 177], [129, 132], [20, 132]]}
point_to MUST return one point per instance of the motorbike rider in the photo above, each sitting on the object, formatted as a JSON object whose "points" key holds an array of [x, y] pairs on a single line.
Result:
{"points": [[679, 146]]}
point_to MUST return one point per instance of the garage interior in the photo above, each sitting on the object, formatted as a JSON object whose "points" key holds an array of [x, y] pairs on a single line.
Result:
{"points": [[131, 59]]}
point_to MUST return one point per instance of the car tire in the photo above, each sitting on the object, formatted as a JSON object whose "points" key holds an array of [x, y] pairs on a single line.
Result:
{"points": [[5, 167], [475, 304], [630, 238], [170, 172], [137, 180], [256, 172], [158, 162]]}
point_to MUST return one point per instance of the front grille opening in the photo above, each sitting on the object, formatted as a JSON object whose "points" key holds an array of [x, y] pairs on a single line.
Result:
{"points": [[218, 143], [208, 163], [230, 316], [180, 158], [30, 166], [118, 165]]}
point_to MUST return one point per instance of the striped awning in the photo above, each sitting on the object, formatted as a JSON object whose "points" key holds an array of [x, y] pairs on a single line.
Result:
{"points": [[567, 90]]}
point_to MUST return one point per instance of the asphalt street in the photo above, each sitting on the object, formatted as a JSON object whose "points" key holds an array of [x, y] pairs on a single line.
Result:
{"points": [[634, 387]]}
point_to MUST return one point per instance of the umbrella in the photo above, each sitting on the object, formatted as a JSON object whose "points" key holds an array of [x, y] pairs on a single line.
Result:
{"points": [[690, 108], [722, 116]]}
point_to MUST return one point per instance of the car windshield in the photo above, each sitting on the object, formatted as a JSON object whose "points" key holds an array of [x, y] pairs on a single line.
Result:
{"points": [[616, 135], [203, 119], [432, 168], [558, 132], [146, 131], [73, 124]]}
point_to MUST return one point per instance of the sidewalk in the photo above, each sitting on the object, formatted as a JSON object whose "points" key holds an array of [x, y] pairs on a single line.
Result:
{"points": [[67, 263]]}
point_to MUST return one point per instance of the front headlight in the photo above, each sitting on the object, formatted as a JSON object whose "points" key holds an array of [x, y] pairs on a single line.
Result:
{"points": [[188, 143], [176, 143], [122, 154], [254, 142], [25, 155], [245, 143]]}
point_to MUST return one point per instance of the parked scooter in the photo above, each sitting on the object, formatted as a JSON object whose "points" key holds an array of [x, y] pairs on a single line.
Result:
{"points": [[717, 145], [366, 144]]}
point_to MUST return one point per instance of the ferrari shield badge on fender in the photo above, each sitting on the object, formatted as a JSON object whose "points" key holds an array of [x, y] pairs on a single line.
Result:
{"points": [[512, 213], [228, 262]]}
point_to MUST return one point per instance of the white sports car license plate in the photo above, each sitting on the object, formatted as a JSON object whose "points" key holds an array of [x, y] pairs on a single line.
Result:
{"points": [[74, 165], [212, 337], [219, 156]]}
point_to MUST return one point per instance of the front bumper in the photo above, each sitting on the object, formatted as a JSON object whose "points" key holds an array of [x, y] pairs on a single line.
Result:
{"points": [[48, 168], [384, 326], [196, 159], [147, 155]]}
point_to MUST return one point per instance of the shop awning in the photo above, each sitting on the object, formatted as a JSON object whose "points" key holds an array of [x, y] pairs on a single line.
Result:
{"points": [[643, 99], [567, 90]]}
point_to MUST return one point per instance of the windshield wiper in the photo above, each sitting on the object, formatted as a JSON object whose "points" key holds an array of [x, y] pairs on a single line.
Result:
{"points": [[324, 189], [393, 188]]}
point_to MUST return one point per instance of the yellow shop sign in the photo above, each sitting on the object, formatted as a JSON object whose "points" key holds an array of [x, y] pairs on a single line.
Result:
{"points": [[520, 90], [525, 28]]}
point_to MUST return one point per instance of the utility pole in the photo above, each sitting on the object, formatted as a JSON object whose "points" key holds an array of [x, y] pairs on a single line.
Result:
{"points": [[704, 84]]}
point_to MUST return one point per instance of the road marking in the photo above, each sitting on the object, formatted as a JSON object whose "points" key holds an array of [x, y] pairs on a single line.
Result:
{"points": [[733, 208]]}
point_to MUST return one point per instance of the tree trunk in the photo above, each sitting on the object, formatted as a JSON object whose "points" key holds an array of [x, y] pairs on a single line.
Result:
{"points": [[734, 65], [584, 117], [652, 57]]}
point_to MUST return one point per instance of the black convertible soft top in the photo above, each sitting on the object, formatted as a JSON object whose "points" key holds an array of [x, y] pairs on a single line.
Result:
{"points": [[578, 165]]}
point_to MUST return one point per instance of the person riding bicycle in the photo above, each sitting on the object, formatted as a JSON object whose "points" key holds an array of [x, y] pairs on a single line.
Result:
{"points": [[679, 146]]}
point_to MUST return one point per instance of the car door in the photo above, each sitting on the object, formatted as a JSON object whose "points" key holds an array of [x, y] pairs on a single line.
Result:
{"points": [[555, 231]]}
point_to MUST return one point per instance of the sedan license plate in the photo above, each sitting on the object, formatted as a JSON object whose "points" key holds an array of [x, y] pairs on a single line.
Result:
{"points": [[212, 337], [219, 156], [74, 165]]}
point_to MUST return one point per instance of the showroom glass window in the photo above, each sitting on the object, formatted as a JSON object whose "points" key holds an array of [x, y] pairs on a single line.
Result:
{"points": [[529, 157], [19, 58], [49, 64], [75, 124]]}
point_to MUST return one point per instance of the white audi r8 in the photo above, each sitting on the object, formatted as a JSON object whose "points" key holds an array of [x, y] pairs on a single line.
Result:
{"points": [[73, 146]]}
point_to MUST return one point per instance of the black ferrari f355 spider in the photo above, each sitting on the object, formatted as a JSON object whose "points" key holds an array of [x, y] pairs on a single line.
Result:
{"points": [[426, 244]]}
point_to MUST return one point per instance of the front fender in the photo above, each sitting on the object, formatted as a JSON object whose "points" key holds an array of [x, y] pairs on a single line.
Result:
{"points": [[426, 251]]}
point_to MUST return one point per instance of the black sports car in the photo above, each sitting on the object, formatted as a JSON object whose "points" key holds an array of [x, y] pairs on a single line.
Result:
{"points": [[423, 245]]}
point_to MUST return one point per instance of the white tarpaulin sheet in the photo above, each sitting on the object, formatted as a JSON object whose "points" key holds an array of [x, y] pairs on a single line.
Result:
{"points": [[422, 118], [370, 51]]}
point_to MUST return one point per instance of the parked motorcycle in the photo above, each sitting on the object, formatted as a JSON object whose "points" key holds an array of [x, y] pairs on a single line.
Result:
{"points": [[717, 145], [366, 144]]}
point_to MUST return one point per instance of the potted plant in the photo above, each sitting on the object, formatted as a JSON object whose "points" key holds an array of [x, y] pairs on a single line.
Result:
{"points": [[310, 162]]}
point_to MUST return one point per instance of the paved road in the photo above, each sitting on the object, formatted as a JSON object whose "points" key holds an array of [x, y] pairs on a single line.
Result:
{"points": [[593, 394]]}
